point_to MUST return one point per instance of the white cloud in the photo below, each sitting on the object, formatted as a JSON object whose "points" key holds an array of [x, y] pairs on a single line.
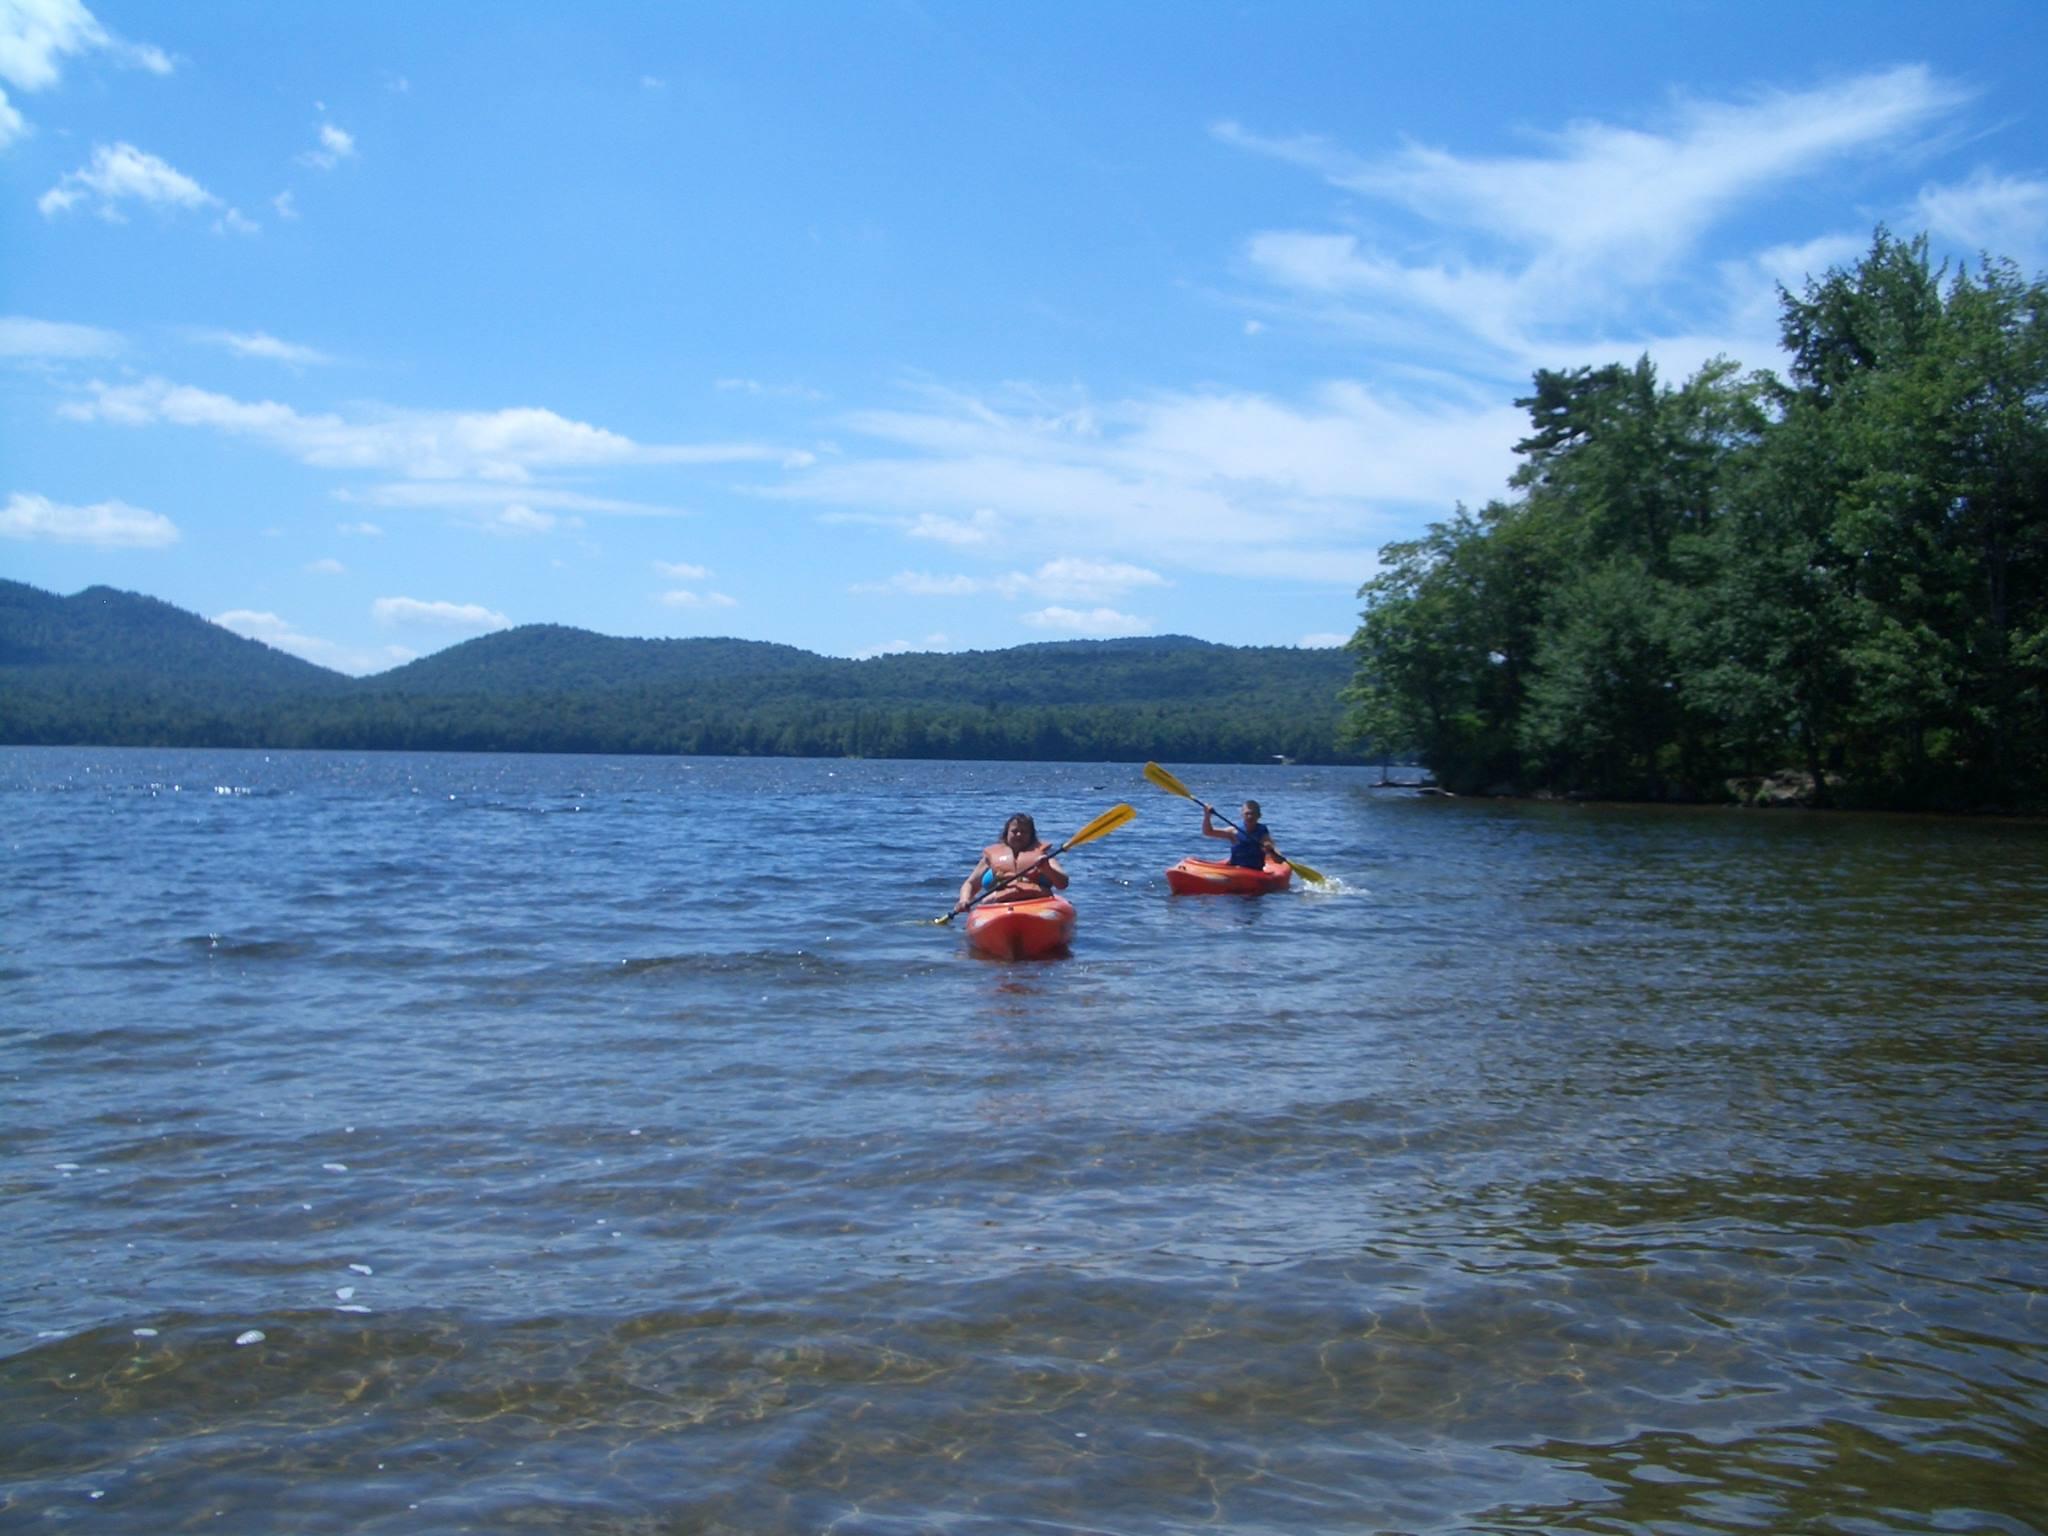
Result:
{"points": [[280, 633], [679, 570], [259, 344], [2001, 215], [503, 446], [1099, 622], [1329, 640], [336, 145], [437, 615], [21, 336], [121, 173], [107, 524], [36, 35], [328, 567], [359, 530], [287, 206], [682, 598]]}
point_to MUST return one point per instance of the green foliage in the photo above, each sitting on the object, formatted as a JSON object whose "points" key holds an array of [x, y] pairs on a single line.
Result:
{"points": [[1846, 572]]}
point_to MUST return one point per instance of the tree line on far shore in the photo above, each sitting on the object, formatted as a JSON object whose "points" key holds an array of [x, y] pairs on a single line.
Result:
{"points": [[119, 669], [1844, 573]]}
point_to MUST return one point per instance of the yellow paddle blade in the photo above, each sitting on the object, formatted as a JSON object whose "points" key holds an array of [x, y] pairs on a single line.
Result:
{"points": [[1313, 876], [1167, 781], [1103, 825]]}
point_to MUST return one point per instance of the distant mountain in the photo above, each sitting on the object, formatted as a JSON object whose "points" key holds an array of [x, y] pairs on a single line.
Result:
{"points": [[553, 658], [118, 668]]}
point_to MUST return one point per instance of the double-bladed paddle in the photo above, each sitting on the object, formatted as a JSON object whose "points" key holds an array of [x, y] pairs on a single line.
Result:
{"points": [[1173, 786], [1101, 826]]}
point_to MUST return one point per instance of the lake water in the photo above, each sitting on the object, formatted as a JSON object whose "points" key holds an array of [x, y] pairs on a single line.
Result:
{"points": [[401, 1143]]}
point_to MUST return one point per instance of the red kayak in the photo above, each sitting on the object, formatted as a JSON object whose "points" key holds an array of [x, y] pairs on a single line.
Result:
{"points": [[1205, 877], [1021, 930]]}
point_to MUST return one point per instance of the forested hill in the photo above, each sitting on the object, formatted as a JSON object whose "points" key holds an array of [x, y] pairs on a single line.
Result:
{"points": [[121, 669], [103, 641]]}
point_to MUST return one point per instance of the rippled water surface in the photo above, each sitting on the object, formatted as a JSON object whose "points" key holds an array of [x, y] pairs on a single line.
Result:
{"points": [[436, 1144]]}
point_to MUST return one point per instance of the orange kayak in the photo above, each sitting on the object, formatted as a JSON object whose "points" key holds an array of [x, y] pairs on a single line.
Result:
{"points": [[1021, 930], [1205, 877]]}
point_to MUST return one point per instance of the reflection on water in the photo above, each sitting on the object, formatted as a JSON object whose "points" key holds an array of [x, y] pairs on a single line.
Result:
{"points": [[591, 1152]]}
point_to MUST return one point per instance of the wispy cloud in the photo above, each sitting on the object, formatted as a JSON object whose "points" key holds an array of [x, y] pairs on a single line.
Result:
{"points": [[1100, 623], [2001, 215], [268, 348], [779, 391], [1231, 483], [681, 570], [275, 631], [1595, 216], [1057, 580], [978, 527], [107, 524], [23, 337], [37, 35], [936, 641], [462, 495], [328, 567], [504, 446], [684, 598], [517, 520], [470, 617], [120, 173]]}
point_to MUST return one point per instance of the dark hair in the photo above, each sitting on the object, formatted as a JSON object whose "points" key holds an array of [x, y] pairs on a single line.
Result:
{"points": [[1253, 807], [1030, 826]]}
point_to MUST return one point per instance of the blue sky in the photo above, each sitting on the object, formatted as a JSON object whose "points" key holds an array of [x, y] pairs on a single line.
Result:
{"points": [[368, 328]]}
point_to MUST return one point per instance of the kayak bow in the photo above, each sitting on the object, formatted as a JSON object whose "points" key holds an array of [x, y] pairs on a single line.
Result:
{"points": [[1021, 930]]}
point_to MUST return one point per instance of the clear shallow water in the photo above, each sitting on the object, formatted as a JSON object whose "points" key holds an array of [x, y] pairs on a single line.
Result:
{"points": [[614, 1145]]}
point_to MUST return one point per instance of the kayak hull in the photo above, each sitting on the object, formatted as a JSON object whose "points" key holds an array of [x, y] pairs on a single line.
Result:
{"points": [[1205, 877], [1021, 930]]}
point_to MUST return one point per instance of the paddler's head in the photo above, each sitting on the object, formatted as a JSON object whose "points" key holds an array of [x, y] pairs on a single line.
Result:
{"points": [[1020, 832], [1251, 813]]}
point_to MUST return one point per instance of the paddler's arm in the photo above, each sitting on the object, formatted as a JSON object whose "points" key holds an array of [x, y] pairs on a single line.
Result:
{"points": [[973, 879], [1209, 827], [1046, 869]]}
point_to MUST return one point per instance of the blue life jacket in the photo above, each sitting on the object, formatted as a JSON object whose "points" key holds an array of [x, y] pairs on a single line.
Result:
{"points": [[1248, 848]]}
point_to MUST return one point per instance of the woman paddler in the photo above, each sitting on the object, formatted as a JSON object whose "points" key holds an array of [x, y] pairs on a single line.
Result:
{"points": [[1021, 865]]}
